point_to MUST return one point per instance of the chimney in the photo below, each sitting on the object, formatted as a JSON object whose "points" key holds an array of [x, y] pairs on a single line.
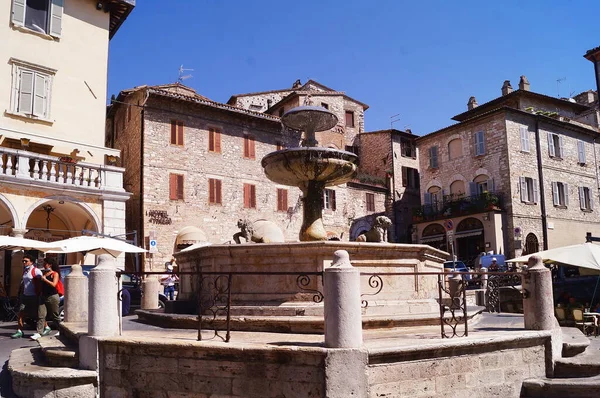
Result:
{"points": [[297, 84], [524, 83], [472, 104], [506, 87]]}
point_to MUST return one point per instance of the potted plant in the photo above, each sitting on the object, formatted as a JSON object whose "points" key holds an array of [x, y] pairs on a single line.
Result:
{"points": [[417, 214], [491, 200]]}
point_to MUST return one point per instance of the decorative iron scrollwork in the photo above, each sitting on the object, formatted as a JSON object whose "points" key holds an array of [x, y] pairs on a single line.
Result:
{"points": [[375, 282], [302, 282], [495, 282], [454, 314], [214, 302]]}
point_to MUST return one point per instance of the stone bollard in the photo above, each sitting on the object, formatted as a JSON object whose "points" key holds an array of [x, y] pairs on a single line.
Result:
{"points": [[103, 310], [343, 319], [76, 295], [538, 306], [484, 278], [150, 289]]}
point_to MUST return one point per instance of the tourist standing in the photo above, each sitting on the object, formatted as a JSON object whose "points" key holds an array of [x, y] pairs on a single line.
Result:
{"points": [[50, 293], [29, 298], [169, 281]]}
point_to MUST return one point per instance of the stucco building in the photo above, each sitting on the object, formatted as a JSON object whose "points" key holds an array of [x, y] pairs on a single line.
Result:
{"points": [[55, 173], [515, 175], [194, 168]]}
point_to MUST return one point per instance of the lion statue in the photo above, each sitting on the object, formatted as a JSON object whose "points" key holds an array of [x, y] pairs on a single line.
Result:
{"points": [[378, 232], [259, 231]]}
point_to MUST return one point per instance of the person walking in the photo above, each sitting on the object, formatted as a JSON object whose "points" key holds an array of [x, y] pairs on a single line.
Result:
{"points": [[169, 281], [50, 293], [29, 298]]}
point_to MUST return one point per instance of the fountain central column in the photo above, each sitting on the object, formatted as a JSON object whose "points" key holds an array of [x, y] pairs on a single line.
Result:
{"points": [[312, 225]]}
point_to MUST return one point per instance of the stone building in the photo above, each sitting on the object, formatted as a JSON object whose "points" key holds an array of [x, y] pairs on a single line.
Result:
{"points": [[55, 172], [515, 175], [194, 168]]}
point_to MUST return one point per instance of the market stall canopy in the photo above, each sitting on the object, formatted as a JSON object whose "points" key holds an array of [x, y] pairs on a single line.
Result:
{"points": [[15, 243], [96, 245], [585, 255]]}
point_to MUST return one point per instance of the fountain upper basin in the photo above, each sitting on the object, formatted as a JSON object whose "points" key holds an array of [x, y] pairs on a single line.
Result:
{"points": [[297, 166]]}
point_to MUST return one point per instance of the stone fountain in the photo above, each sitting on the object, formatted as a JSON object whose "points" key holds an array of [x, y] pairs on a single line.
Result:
{"points": [[310, 168]]}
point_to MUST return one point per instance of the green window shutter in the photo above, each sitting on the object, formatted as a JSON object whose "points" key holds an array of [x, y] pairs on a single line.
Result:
{"points": [[18, 12], [56, 13], [40, 96], [25, 92]]}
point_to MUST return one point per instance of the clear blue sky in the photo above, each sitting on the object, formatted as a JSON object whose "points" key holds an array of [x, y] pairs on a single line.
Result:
{"points": [[420, 59]]}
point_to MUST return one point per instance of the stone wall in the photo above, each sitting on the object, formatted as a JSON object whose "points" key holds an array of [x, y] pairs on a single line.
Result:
{"points": [[479, 369], [194, 369]]}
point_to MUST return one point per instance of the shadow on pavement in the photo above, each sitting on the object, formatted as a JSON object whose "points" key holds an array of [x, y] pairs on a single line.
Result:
{"points": [[6, 382]]}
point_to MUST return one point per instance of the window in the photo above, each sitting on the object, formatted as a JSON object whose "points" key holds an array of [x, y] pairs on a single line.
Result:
{"points": [[214, 140], [31, 90], [370, 198], [324, 105], [175, 186], [410, 177], [482, 183], [433, 196], [457, 188], [560, 194], [433, 157], [455, 148], [42, 16], [529, 190], [176, 132], [555, 146], [255, 108], [349, 119], [329, 199], [585, 198], [408, 149], [479, 143], [249, 146], [524, 139], [282, 195], [355, 149], [280, 145], [581, 152], [214, 191], [249, 196]]}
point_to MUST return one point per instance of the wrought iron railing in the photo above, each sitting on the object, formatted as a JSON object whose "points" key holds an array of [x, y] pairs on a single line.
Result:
{"points": [[455, 206]]}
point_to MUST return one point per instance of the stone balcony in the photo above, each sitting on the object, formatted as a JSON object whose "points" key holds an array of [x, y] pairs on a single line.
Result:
{"points": [[456, 206], [32, 168]]}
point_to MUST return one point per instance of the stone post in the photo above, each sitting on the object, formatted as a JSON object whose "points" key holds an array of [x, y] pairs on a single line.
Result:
{"points": [[150, 289], [343, 321], [103, 310], [538, 306], [346, 361], [454, 287], [76, 295]]}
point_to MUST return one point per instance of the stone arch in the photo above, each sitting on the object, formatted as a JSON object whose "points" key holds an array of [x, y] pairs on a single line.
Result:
{"points": [[433, 183], [532, 245], [85, 208], [12, 211], [458, 187], [469, 224], [359, 227], [480, 171], [452, 138], [434, 235], [433, 229], [455, 148]]}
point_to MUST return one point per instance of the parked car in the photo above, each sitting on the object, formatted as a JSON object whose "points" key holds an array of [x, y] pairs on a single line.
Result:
{"points": [[457, 266]]}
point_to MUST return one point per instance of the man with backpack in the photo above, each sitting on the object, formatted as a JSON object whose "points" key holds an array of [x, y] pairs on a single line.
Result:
{"points": [[30, 294]]}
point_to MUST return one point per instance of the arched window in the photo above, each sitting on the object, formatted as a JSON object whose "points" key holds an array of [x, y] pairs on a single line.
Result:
{"points": [[455, 148], [482, 183], [457, 188], [531, 244]]}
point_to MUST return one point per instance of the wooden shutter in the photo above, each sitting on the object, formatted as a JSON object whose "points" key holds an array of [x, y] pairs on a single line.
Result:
{"points": [[581, 151], [427, 198], [246, 146], [251, 146], [179, 133], [179, 187], [211, 190], [26, 92], [524, 139], [246, 196], [349, 119], [536, 191], [591, 195], [56, 13], [173, 132], [560, 151], [218, 141], [332, 197], [555, 197], [249, 196], [479, 143], [173, 186], [581, 198], [404, 176], [472, 188], [490, 185], [18, 12], [566, 192], [523, 188], [218, 193], [551, 149], [282, 200], [40, 89]]}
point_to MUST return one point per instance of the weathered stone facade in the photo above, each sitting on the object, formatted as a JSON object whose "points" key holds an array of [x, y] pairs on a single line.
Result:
{"points": [[513, 127], [140, 125]]}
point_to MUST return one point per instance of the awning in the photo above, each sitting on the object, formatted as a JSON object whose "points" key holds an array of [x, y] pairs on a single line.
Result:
{"points": [[433, 238], [466, 234], [190, 235]]}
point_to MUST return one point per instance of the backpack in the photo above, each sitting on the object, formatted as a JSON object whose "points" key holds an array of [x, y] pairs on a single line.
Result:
{"points": [[60, 288]]}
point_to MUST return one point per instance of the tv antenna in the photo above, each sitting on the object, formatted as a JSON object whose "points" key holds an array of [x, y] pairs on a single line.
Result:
{"points": [[393, 119], [558, 82], [181, 77]]}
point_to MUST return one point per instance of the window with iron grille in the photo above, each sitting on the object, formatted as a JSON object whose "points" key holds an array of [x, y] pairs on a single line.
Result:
{"points": [[175, 186], [249, 196], [214, 140], [214, 191], [176, 132], [282, 196]]}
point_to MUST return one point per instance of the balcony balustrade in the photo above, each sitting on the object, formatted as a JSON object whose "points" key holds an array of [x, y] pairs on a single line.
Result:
{"points": [[459, 205], [60, 171]]}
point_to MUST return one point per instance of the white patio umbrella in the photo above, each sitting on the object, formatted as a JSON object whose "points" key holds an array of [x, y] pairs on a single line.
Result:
{"points": [[585, 255], [96, 245], [16, 243]]}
